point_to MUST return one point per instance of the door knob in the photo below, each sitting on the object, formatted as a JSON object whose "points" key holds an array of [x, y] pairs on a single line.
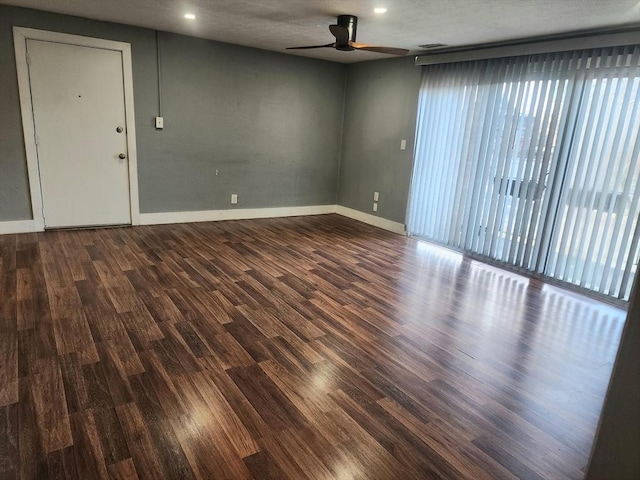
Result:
{"points": [[122, 156], [119, 129]]}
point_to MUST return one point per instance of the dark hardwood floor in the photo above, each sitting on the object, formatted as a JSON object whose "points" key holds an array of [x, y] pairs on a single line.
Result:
{"points": [[309, 347]]}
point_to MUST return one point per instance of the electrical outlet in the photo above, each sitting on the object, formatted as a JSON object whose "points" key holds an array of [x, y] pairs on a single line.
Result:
{"points": [[159, 123], [375, 207], [234, 198], [376, 195]]}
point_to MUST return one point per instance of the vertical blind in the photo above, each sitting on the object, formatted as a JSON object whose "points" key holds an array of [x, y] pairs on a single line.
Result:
{"points": [[533, 161]]}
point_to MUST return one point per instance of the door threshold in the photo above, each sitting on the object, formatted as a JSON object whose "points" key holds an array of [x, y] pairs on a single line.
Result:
{"points": [[86, 227]]}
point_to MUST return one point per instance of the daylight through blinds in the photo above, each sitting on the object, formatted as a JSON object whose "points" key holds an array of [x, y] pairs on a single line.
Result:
{"points": [[534, 161]]}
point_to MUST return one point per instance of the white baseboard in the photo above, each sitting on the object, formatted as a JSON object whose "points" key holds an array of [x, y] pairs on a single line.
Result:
{"points": [[18, 226], [232, 214], [28, 226], [379, 222]]}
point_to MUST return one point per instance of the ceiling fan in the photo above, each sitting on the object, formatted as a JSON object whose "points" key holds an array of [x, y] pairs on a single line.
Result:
{"points": [[345, 33]]}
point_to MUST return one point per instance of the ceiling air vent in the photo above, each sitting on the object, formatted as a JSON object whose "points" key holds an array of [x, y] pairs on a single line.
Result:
{"points": [[432, 45]]}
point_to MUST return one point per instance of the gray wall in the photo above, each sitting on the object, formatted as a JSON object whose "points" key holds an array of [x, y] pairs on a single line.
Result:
{"points": [[269, 123], [380, 111], [615, 454]]}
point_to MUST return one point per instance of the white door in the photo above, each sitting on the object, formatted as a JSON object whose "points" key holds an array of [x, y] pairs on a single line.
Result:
{"points": [[81, 134]]}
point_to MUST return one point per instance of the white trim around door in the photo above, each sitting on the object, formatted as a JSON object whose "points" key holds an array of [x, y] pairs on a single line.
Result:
{"points": [[20, 37]]}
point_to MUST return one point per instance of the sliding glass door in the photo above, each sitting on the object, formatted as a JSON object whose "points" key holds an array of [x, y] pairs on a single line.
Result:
{"points": [[533, 162], [594, 233]]}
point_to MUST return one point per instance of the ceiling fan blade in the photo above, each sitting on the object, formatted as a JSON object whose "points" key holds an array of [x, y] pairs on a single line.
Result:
{"points": [[328, 45], [374, 48], [341, 34]]}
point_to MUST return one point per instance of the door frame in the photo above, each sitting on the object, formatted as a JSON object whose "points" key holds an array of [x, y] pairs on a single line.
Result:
{"points": [[20, 37]]}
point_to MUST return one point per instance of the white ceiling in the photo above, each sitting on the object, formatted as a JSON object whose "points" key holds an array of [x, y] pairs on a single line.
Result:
{"points": [[277, 24]]}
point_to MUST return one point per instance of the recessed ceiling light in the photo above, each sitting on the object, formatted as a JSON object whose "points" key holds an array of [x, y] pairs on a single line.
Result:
{"points": [[189, 16], [380, 10]]}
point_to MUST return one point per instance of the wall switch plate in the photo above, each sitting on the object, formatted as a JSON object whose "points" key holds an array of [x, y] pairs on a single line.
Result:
{"points": [[234, 198], [403, 144], [375, 207], [376, 195], [159, 123]]}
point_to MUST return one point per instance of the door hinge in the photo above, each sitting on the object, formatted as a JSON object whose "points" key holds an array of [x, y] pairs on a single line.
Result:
{"points": [[37, 139], [28, 59]]}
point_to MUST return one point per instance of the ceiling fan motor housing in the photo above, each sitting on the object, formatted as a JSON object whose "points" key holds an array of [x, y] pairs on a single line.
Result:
{"points": [[350, 22], [345, 34]]}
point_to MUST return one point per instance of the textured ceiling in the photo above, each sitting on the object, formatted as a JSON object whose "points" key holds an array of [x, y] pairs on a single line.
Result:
{"points": [[277, 24]]}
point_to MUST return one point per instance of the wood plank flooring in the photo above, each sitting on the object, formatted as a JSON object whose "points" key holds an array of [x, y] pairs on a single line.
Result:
{"points": [[300, 348]]}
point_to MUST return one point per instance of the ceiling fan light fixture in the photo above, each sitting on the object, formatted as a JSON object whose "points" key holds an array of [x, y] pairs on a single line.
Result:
{"points": [[380, 10], [189, 16]]}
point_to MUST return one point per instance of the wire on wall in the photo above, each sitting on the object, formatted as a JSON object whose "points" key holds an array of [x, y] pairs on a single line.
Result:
{"points": [[159, 73]]}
